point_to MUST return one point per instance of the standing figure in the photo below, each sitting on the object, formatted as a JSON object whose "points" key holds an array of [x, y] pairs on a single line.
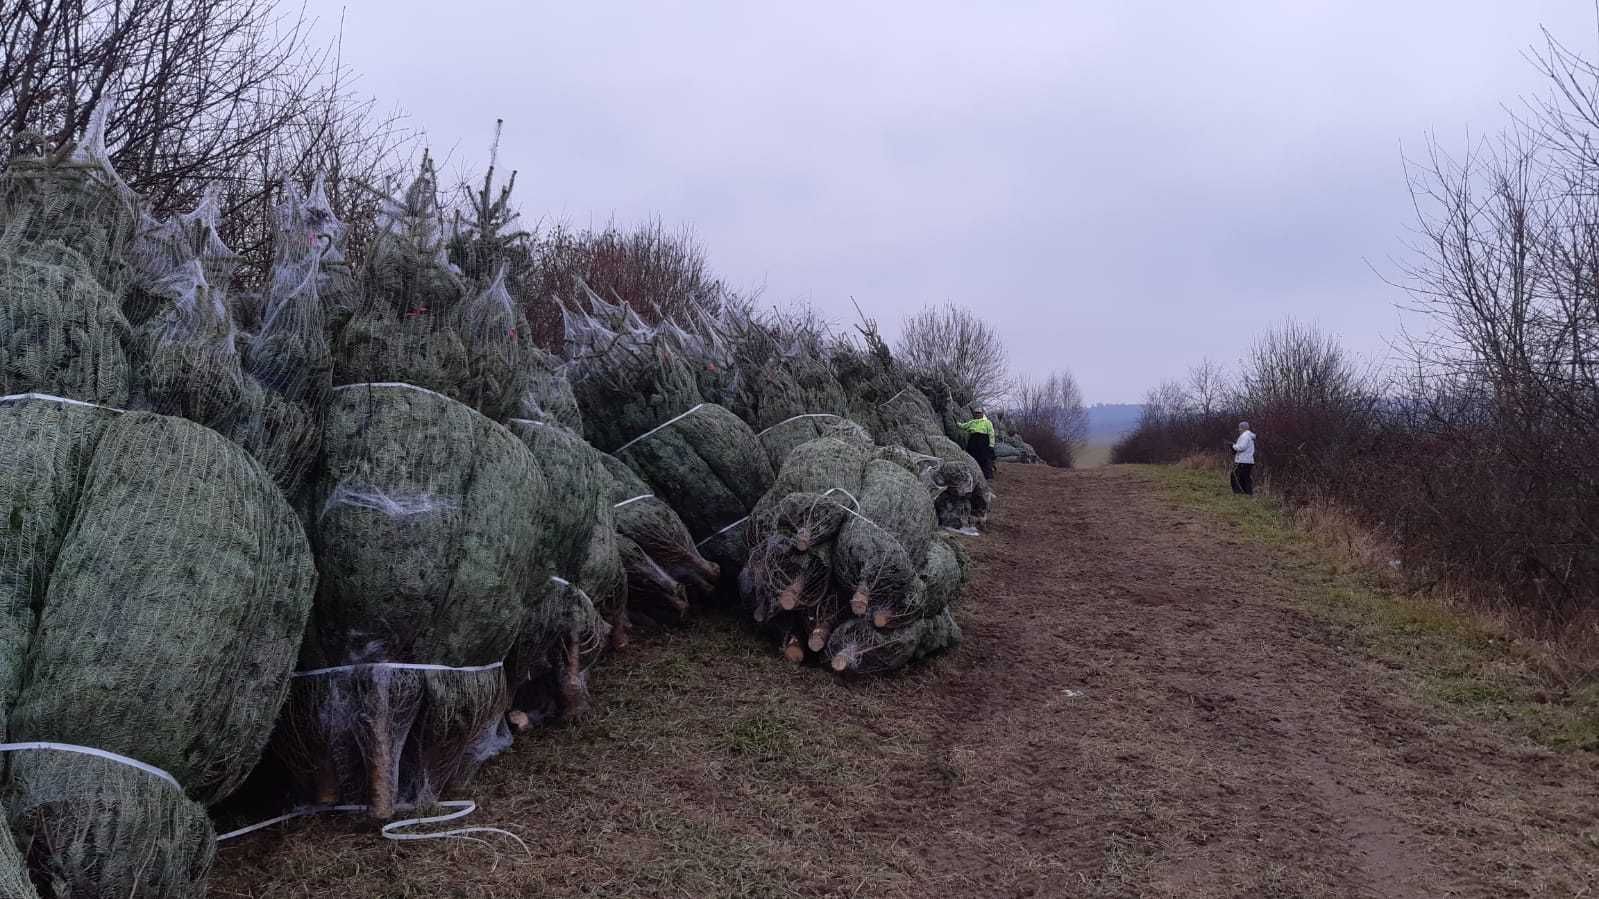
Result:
{"points": [[980, 440], [1244, 460]]}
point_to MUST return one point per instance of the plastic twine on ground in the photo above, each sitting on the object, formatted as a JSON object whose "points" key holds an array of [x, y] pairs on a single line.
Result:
{"points": [[397, 830]]}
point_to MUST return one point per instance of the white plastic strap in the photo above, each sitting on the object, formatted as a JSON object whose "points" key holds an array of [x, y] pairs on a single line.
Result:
{"points": [[392, 830], [845, 492], [463, 807], [528, 421], [392, 384], [670, 421], [721, 532], [798, 417], [568, 584], [51, 398], [402, 666], [97, 753], [659, 570], [855, 511], [633, 500], [892, 398], [571, 586]]}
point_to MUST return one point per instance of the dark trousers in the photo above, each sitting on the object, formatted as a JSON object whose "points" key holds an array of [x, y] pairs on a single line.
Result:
{"points": [[983, 451], [1244, 478]]}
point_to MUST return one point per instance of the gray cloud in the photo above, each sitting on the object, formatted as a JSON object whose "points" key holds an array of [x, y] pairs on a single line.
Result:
{"points": [[1121, 187]]}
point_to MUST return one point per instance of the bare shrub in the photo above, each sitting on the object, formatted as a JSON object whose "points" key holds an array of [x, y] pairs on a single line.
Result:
{"points": [[1050, 415], [652, 269], [1178, 420], [961, 349], [1310, 402], [1207, 389], [233, 95]]}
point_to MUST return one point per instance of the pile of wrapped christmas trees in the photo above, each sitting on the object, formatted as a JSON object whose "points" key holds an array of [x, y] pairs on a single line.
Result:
{"points": [[357, 544]]}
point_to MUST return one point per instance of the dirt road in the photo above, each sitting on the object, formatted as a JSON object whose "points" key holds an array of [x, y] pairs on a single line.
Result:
{"points": [[1137, 710]]}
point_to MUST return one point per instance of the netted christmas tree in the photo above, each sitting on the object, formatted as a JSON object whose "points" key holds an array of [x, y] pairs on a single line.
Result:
{"points": [[185, 350], [154, 587], [491, 251], [434, 533], [66, 219], [406, 325], [783, 371], [581, 607]]}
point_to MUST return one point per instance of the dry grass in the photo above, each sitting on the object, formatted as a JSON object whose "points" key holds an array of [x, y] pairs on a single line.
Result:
{"points": [[1567, 654], [1469, 652], [1204, 462], [1092, 455], [706, 768], [1348, 543]]}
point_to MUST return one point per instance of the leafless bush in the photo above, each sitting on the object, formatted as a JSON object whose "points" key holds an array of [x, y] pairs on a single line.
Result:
{"points": [[233, 95], [1309, 401], [650, 268], [1207, 389], [1181, 419], [961, 349], [1500, 424], [1050, 416]]}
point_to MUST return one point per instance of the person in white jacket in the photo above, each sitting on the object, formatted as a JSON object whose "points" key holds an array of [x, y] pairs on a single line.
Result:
{"points": [[1244, 460]]}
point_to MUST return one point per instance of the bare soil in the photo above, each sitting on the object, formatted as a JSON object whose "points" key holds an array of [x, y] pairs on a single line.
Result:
{"points": [[1140, 708]]}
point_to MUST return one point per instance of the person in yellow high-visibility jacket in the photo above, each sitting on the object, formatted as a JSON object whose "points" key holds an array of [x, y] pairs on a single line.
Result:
{"points": [[980, 440]]}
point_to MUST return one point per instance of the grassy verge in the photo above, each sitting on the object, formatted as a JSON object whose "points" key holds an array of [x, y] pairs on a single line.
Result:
{"points": [[1457, 659]]}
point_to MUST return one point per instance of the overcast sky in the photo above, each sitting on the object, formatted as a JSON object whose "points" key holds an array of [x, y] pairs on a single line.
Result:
{"points": [[1121, 186]]}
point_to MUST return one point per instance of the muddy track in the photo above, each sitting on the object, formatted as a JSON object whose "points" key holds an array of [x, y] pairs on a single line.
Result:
{"points": [[1142, 711], [1137, 710]]}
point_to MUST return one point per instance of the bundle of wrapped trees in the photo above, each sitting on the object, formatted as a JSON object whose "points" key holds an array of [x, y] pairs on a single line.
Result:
{"points": [[145, 556], [842, 559], [847, 563], [433, 528], [1011, 447], [154, 586], [897, 413], [471, 569], [640, 401], [787, 435], [485, 518], [626, 376], [783, 372], [663, 570], [584, 599], [549, 396], [717, 371], [290, 356], [666, 573]]}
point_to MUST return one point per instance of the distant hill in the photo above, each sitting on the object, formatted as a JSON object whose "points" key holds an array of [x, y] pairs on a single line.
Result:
{"points": [[1107, 422]]}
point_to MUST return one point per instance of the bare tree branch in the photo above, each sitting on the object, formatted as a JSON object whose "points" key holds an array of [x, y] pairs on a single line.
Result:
{"points": [[952, 343]]}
